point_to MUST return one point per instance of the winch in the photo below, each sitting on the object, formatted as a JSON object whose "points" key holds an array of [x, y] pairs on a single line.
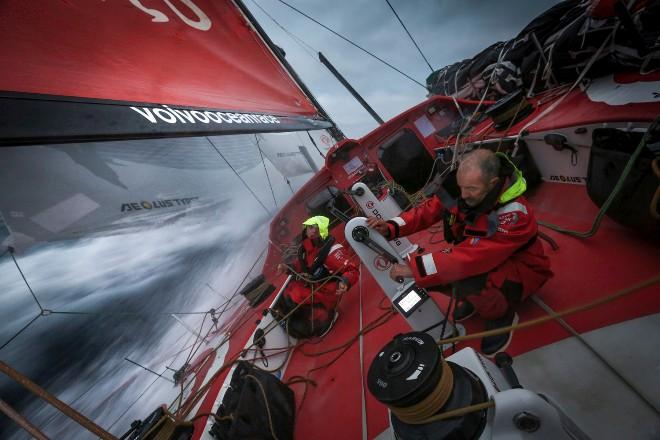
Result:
{"points": [[465, 396]]}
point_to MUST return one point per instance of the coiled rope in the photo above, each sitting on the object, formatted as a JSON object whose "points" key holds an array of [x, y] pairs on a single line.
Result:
{"points": [[553, 316], [420, 412]]}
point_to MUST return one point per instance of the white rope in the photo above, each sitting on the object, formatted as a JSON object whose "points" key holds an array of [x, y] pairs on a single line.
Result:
{"points": [[561, 99], [361, 342], [465, 126]]}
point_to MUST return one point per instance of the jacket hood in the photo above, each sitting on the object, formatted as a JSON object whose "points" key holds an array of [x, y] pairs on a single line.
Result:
{"points": [[322, 222]]}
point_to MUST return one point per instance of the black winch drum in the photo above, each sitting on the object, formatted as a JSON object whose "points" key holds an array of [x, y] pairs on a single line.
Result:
{"points": [[407, 370]]}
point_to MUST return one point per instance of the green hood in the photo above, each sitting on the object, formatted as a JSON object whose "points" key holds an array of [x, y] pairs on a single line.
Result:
{"points": [[518, 187], [321, 222]]}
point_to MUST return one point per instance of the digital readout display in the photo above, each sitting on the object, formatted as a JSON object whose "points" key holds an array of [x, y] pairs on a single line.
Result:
{"points": [[408, 302]]}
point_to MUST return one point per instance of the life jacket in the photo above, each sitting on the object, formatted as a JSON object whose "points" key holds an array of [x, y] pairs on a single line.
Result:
{"points": [[461, 221], [317, 270]]}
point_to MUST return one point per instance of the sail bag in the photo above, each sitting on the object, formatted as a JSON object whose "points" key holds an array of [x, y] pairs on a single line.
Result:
{"points": [[256, 406]]}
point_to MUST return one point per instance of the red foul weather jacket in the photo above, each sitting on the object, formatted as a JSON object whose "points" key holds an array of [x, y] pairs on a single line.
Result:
{"points": [[337, 263], [500, 242]]}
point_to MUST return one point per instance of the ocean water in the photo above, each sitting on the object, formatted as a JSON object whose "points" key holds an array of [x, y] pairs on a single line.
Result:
{"points": [[122, 290], [110, 296]]}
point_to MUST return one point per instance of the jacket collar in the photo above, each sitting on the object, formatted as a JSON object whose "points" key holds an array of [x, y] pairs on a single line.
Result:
{"points": [[511, 185], [517, 184]]}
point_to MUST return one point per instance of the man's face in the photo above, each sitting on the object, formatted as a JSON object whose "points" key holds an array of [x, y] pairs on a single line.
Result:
{"points": [[473, 186], [312, 232]]}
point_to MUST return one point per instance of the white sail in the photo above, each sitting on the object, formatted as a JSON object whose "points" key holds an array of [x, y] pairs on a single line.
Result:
{"points": [[67, 191], [283, 150]]}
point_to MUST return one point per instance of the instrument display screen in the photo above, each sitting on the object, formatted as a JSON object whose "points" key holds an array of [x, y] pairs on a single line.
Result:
{"points": [[410, 299]]}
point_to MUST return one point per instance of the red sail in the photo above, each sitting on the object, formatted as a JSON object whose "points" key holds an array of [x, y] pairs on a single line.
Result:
{"points": [[186, 53]]}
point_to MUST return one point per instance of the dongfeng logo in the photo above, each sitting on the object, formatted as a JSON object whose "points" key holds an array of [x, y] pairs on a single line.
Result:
{"points": [[381, 263]]}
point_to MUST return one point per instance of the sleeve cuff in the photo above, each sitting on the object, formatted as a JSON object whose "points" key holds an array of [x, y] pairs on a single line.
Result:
{"points": [[393, 228]]}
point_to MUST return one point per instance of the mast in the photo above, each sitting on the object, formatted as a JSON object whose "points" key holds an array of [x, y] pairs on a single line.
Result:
{"points": [[350, 88]]}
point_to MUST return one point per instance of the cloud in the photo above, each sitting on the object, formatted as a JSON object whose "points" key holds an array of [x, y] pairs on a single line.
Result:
{"points": [[447, 32]]}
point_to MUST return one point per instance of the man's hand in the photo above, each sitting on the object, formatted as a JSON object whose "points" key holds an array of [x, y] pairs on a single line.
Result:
{"points": [[400, 270], [281, 268], [342, 287], [378, 225]]}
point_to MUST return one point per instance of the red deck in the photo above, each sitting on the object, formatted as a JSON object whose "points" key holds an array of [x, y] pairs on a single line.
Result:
{"points": [[585, 270]]}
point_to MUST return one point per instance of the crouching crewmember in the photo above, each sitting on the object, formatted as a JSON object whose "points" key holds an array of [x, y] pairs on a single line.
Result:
{"points": [[493, 259]]}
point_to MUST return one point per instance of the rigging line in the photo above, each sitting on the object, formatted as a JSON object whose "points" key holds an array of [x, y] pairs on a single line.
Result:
{"points": [[411, 37], [20, 331], [570, 311], [314, 143], [131, 405], [96, 382], [80, 396], [306, 47], [26, 282], [66, 312], [225, 305], [635, 390], [148, 369], [187, 327], [194, 398], [361, 340], [239, 314], [201, 339], [175, 355], [352, 43], [288, 182], [554, 105], [194, 349], [204, 388], [238, 175], [256, 138]]}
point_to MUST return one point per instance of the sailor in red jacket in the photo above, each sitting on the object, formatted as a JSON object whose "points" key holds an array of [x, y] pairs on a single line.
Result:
{"points": [[492, 259], [323, 268]]}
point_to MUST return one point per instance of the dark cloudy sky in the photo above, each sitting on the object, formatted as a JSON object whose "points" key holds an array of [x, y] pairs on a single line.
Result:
{"points": [[446, 31]]}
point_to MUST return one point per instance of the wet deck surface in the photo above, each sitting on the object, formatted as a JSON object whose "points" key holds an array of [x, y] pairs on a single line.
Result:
{"points": [[548, 359]]}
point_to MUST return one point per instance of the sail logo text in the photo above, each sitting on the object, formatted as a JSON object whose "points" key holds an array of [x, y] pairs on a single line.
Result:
{"points": [[203, 22], [137, 206], [568, 179], [174, 116]]}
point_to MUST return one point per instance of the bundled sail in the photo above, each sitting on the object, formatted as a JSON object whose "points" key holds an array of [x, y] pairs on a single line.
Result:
{"points": [[555, 48]]}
